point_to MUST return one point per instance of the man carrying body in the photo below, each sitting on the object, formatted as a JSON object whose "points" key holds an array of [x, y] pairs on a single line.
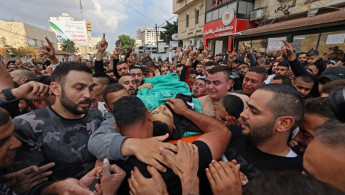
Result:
{"points": [[261, 144], [218, 85], [138, 123]]}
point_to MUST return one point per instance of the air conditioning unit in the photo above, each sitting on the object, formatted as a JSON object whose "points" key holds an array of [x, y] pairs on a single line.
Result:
{"points": [[191, 42], [257, 14]]}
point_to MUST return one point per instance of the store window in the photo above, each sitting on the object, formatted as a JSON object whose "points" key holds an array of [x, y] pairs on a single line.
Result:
{"points": [[241, 45], [304, 43], [259, 45], [334, 41], [197, 16]]}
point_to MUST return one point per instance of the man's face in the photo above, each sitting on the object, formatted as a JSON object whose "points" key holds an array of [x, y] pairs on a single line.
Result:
{"points": [[307, 129], [282, 70], [114, 96], [98, 87], [24, 107], [76, 92], [251, 82], [312, 69], [325, 163], [199, 68], [122, 69], [129, 83], [302, 58], [12, 67], [258, 121], [8, 144], [179, 70], [217, 86], [267, 66], [302, 87], [242, 69], [166, 63], [138, 76], [199, 88], [312, 59], [164, 70], [163, 114]]}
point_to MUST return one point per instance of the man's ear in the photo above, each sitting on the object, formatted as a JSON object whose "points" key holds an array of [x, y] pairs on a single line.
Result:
{"points": [[284, 123], [229, 84], [117, 127], [148, 115], [55, 87], [39, 103]]}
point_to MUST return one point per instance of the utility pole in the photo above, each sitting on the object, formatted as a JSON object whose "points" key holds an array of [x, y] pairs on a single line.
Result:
{"points": [[157, 37]]}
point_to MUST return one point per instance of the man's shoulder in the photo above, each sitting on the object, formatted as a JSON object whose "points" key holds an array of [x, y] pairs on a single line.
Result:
{"points": [[39, 114], [203, 99]]}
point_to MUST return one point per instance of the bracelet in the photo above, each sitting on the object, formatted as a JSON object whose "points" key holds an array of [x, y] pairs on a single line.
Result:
{"points": [[8, 94]]}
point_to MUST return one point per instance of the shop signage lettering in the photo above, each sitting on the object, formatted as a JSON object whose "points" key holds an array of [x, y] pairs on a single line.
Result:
{"points": [[218, 29]]}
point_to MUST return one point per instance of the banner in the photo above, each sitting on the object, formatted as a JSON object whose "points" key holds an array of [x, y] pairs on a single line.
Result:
{"points": [[65, 28]]}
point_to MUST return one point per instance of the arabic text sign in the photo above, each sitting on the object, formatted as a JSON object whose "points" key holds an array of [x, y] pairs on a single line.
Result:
{"points": [[275, 44], [335, 39]]}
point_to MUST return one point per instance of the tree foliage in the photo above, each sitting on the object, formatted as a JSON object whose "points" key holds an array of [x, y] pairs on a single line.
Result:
{"points": [[27, 51], [126, 40], [68, 46], [170, 29]]}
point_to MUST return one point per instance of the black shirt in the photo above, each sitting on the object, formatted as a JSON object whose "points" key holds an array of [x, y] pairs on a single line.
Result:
{"points": [[172, 181], [255, 162]]}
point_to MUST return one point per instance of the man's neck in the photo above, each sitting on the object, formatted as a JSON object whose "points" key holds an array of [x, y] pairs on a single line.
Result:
{"points": [[214, 101], [141, 131], [63, 112], [275, 146], [100, 98]]}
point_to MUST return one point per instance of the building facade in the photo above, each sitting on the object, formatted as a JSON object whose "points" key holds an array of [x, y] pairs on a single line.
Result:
{"points": [[191, 20], [308, 24], [19, 34], [148, 36], [224, 20]]}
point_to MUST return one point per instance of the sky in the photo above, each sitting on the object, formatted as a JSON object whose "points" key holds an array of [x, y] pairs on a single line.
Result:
{"points": [[113, 17]]}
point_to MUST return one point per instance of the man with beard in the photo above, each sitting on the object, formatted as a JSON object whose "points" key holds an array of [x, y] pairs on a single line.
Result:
{"points": [[317, 113], [138, 75], [129, 83], [261, 144], [60, 133]]}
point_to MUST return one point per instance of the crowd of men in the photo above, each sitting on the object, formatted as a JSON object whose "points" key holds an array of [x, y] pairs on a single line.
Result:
{"points": [[265, 126]]}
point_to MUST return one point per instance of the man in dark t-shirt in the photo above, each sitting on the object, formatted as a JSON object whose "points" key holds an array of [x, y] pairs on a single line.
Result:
{"points": [[133, 119], [261, 144]]}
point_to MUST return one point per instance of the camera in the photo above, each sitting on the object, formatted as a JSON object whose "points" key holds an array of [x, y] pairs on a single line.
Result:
{"points": [[337, 102]]}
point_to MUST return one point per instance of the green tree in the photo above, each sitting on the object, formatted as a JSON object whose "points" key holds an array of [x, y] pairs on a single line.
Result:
{"points": [[126, 41], [170, 29], [68, 46]]}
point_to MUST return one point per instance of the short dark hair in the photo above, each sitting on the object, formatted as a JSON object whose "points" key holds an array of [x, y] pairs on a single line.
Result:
{"points": [[210, 63], [332, 134], [64, 68], [233, 105], [4, 116], [285, 80], [160, 128], [305, 78], [284, 63], [192, 71], [319, 106], [121, 62], [308, 65], [286, 101], [179, 65], [128, 111], [223, 69], [313, 52], [259, 70], [103, 79], [115, 87], [41, 79], [336, 85], [288, 182]]}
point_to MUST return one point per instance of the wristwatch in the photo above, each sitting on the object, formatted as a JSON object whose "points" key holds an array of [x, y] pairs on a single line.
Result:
{"points": [[8, 94]]}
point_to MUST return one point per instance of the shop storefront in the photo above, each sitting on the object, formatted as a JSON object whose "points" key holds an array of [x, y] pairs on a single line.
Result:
{"points": [[321, 32], [218, 34]]}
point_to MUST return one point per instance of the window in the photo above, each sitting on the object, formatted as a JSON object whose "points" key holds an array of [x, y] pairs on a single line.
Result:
{"points": [[187, 20], [304, 43], [196, 16], [332, 40]]}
